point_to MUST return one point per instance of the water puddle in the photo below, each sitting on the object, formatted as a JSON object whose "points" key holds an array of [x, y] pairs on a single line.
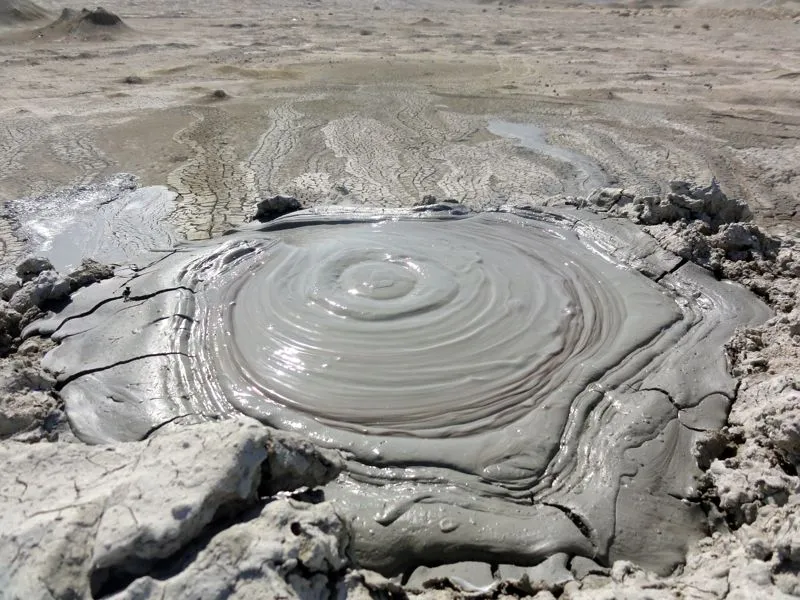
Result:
{"points": [[587, 173]]}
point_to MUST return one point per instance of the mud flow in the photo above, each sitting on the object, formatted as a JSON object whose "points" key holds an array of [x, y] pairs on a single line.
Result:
{"points": [[504, 385]]}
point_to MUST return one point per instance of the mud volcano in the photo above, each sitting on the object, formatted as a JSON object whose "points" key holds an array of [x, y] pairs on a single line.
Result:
{"points": [[85, 24], [20, 11], [504, 386]]}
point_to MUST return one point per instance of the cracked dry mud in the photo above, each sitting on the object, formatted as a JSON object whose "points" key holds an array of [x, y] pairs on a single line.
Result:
{"points": [[572, 120], [130, 511]]}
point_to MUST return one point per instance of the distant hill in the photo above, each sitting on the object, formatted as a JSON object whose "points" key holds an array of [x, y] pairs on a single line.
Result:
{"points": [[20, 11], [84, 24]]}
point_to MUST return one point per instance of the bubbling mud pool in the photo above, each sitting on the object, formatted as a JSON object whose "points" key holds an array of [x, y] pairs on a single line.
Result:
{"points": [[503, 386]]}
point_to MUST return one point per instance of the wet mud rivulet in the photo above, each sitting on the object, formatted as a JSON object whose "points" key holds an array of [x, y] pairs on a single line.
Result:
{"points": [[503, 385]]}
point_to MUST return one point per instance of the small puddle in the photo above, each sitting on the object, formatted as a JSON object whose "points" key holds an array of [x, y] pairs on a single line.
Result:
{"points": [[112, 221], [588, 174]]}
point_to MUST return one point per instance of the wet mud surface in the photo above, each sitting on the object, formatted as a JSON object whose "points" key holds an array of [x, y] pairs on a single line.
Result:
{"points": [[115, 219], [482, 373]]}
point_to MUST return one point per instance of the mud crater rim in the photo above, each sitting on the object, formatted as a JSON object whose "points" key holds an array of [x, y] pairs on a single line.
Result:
{"points": [[508, 364]]}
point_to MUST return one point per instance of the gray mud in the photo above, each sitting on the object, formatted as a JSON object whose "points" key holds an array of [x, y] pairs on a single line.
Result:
{"points": [[504, 386], [114, 219]]}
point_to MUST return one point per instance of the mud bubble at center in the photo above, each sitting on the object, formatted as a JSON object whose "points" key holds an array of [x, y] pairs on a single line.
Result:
{"points": [[503, 386]]}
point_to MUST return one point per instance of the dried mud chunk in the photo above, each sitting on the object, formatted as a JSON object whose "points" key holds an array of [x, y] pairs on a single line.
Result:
{"points": [[127, 515], [24, 399], [46, 287], [29, 268], [89, 272], [9, 326], [276, 206], [8, 287]]}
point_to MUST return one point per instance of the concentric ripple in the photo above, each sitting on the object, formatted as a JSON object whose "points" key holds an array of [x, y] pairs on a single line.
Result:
{"points": [[503, 386], [408, 327]]}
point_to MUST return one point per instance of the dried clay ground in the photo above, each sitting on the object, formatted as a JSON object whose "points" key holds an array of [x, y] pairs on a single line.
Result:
{"points": [[382, 103]]}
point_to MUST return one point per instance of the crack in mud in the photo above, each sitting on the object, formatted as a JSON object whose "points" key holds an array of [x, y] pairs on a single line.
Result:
{"points": [[61, 383], [124, 298], [580, 522]]}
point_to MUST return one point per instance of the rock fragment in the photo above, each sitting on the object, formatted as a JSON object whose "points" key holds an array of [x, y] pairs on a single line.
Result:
{"points": [[46, 286], [8, 287], [89, 272], [766, 422], [29, 268], [25, 399], [686, 202], [276, 206], [294, 462], [551, 573], [366, 585], [289, 550], [123, 521], [10, 320], [427, 199], [702, 225], [38, 284]]}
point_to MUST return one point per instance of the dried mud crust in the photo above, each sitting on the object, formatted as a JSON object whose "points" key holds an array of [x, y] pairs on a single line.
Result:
{"points": [[392, 146], [391, 117], [193, 513]]}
